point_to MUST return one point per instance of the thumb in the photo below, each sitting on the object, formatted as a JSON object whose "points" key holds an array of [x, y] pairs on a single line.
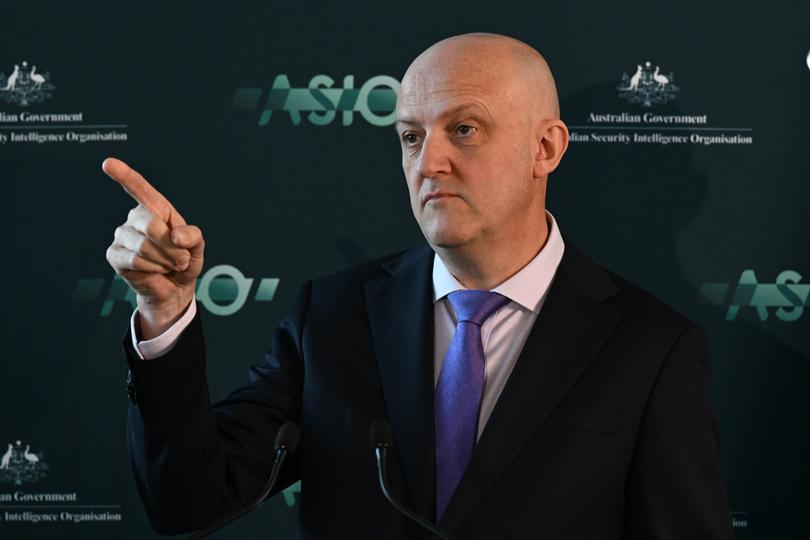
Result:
{"points": [[186, 236], [190, 237]]}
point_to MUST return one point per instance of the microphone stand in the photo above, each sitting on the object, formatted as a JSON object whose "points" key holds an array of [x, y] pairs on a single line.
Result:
{"points": [[381, 441], [286, 441]]}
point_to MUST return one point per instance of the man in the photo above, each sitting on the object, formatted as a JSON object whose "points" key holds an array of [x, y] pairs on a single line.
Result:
{"points": [[532, 393]]}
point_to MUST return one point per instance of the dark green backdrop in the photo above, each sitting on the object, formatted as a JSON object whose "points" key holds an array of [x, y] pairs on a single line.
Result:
{"points": [[284, 200]]}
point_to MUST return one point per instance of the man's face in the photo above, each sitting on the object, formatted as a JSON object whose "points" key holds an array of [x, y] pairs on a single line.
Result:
{"points": [[466, 154]]}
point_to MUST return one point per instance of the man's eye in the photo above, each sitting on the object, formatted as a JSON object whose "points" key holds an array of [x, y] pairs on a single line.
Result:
{"points": [[464, 130], [410, 138]]}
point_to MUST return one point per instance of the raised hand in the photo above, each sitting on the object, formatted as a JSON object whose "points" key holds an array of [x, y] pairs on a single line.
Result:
{"points": [[155, 252]]}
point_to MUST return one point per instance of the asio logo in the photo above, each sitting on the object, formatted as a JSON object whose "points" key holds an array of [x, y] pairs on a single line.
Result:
{"points": [[321, 100], [25, 85], [222, 290], [647, 86], [787, 297], [19, 465]]}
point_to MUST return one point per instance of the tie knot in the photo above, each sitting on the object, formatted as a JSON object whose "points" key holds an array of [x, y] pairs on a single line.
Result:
{"points": [[475, 306]]}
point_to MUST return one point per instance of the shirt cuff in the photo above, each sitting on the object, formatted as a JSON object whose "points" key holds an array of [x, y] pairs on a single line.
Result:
{"points": [[160, 345]]}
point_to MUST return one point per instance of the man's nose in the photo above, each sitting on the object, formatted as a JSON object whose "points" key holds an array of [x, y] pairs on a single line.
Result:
{"points": [[434, 156]]}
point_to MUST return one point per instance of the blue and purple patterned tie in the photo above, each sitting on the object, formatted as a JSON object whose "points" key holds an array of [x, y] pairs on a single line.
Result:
{"points": [[459, 390]]}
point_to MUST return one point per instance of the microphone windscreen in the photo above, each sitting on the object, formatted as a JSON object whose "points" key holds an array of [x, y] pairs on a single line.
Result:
{"points": [[288, 436], [380, 434]]}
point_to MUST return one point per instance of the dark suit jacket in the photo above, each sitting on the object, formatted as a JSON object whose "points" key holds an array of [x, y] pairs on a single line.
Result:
{"points": [[603, 431]]}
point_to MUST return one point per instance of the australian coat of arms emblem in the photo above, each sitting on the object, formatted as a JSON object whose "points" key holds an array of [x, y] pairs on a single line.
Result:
{"points": [[647, 86], [25, 85], [19, 465]]}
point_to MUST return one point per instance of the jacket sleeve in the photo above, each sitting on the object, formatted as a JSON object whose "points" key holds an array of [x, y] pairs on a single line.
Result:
{"points": [[675, 487], [196, 463]]}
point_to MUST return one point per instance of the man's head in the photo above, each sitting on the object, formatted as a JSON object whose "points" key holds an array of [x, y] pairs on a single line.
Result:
{"points": [[478, 121]]}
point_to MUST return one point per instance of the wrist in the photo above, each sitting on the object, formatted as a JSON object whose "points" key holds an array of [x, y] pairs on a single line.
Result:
{"points": [[154, 319]]}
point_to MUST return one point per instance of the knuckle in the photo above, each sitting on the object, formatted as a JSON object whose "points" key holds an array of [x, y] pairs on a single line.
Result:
{"points": [[139, 246], [139, 215], [153, 228]]}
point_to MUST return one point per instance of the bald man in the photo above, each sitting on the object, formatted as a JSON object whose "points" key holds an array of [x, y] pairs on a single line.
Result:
{"points": [[531, 393]]}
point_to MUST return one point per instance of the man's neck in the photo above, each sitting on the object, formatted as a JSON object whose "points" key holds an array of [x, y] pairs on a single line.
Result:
{"points": [[485, 266]]}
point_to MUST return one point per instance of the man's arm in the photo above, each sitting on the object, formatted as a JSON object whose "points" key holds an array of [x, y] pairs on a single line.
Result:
{"points": [[196, 463], [675, 487], [147, 349]]}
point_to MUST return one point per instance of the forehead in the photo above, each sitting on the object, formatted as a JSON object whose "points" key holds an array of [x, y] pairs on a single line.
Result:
{"points": [[430, 94]]}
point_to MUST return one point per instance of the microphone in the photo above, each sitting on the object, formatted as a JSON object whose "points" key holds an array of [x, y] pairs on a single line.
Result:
{"points": [[381, 440], [286, 443]]}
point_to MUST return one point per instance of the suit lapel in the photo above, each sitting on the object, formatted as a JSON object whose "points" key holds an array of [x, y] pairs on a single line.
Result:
{"points": [[400, 309], [569, 330]]}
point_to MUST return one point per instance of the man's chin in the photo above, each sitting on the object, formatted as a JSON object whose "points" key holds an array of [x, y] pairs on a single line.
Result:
{"points": [[446, 240]]}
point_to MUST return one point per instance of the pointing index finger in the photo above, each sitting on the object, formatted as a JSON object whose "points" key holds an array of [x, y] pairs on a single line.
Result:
{"points": [[140, 190]]}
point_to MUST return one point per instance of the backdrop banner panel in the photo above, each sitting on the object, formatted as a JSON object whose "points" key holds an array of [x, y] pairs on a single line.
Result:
{"points": [[270, 126]]}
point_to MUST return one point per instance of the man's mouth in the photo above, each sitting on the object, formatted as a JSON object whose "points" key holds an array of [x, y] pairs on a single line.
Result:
{"points": [[436, 195]]}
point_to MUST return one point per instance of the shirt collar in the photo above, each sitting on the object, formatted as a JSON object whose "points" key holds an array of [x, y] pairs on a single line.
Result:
{"points": [[527, 287]]}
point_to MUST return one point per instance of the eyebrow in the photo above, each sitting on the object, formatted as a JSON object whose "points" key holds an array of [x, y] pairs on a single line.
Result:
{"points": [[464, 107]]}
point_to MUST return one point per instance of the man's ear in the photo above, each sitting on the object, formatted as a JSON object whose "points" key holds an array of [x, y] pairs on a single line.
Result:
{"points": [[552, 142]]}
